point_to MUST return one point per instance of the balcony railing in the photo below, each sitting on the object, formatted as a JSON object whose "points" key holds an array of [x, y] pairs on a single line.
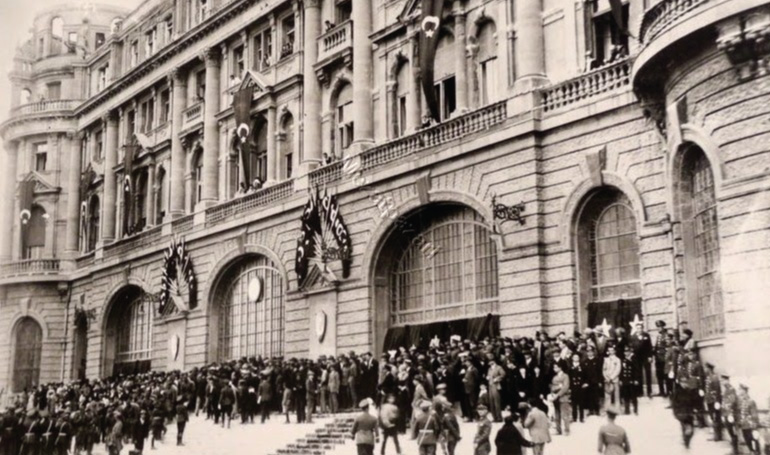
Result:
{"points": [[182, 224], [326, 174], [192, 115], [588, 85], [45, 106], [335, 40], [29, 267], [472, 122], [237, 208], [663, 14], [134, 243]]}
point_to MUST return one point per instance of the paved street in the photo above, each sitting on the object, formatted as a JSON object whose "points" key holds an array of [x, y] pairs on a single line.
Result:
{"points": [[654, 431]]}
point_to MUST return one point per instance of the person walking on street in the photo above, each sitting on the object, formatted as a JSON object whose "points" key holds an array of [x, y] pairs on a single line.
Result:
{"points": [[748, 419], [509, 440], [481, 444], [426, 429], [538, 425], [181, 419], [365, 430], [713, 396], [388, 419], [613, 439]]}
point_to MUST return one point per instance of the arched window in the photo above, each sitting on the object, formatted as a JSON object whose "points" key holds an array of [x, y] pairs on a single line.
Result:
{"points": [[402, 92], [608, 259], [487, 63], [250, 310], [28, 349], [287, 146], [447, 271], [161, 202], [131, 321], [197, 176], [140, 201], [26, 96], [94, 209], [34, 233], [700, 229], [258, 159], [343, 119], [444, 76]]}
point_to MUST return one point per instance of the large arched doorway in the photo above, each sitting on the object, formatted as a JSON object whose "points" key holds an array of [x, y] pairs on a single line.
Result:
{"points": [[436, 275], [128, 333], [28, 349], [248, 312], [607, 244]]}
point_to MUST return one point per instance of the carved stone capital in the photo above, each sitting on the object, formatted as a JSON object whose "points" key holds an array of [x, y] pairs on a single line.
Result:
{"points": [[312, 4], [210, 56]]}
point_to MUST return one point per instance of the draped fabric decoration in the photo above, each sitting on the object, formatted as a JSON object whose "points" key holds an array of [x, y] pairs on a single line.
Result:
{"points": [[329, 210], [242, 140], [177, 272], [619, 17], [617, 314], [26, 194], [430, 20], [35, 232], [130, 151], [420, 335], [306, 247]]}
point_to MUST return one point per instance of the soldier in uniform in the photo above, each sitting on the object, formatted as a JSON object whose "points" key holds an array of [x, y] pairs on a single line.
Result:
{"points": [[748, 419], [426, 430], [481, 444], [613, 439], [365, 429], [630, 381], [641, 345], [713, 396], [729, 408], [661, 341], [671, 361]]}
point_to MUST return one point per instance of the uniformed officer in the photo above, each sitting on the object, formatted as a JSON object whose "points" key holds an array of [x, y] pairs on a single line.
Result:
{"points": [[671, 361], [481, 444], [729, 410], [641, 344], [613, 439], [426, 430], [712, 395], [748, 419], [630, 381], [365, 429]]}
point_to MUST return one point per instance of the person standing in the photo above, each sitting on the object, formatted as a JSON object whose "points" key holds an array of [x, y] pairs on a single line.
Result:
{"points": [[509, 440], [560, 393], [481, 444], [729, 408], [334, 389], [661, 342], [471, 388], [613, 439], [226, 403], [712, 395], [115, 437], [311, 391], [495, 376], [141, 430], [426, 429], [577, 386], [365, 430], [592, 376], [264, 396], [182, 417], [611, 374], [538, 425], [451, 431], [748, 418], [641, 346], [388, 419], [630, 381]]}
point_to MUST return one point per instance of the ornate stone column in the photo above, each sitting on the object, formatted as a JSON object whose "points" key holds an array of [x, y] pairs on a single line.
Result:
{"points": [[8, 202], [210, 194], [363, 115], [461, 70], [176, 188], [150, 196], [415, 101], [73, 193], [272, 150], [110, 179], [311, 123], [530, 48]]}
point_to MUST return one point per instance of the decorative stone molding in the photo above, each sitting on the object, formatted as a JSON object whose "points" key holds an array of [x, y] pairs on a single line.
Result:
{"points": [[744, 40]]}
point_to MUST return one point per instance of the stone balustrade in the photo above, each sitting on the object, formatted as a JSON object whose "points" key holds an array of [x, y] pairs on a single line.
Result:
{"points": [[30, 267], [663, 14], [40, 107], [326, 174], [136, 242], [586, 86], [472, 122], [182, 224], [244, 205], [193, 115], [335, 40]]}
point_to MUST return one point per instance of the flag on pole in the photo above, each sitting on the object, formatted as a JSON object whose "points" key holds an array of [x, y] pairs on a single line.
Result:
{"points": [[306, 243], [620, 18], [333, 223], [26, 193], [430, 21], [242, 111]]}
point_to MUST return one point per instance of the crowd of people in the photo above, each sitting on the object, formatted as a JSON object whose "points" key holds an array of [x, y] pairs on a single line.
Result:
{"points": [[531, 385]]}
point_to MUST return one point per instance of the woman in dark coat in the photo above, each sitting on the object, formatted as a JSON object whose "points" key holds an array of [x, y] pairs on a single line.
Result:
{"points": [[509, 441]]}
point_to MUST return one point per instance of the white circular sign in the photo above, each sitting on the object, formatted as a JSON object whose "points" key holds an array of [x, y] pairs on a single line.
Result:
{"points": [[255, 289]]}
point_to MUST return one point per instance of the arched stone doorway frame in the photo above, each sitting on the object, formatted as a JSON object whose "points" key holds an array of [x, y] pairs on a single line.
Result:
{"points": [[109, 306]]}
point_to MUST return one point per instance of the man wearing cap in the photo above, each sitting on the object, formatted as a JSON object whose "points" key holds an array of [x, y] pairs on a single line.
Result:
{"points": [[365, 429], [470, 387], [613, 439], [426, 429], [560, 393], [748, 418], [611, 375], [481, 444], [630, 381], [641, 344], [114, 439], [660, 357], [592, 376], [729, 408], [495, 376], [713, 396], [538, 425]]}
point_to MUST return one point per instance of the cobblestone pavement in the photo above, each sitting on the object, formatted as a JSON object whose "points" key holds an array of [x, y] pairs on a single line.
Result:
{"points": [[654, 431]]}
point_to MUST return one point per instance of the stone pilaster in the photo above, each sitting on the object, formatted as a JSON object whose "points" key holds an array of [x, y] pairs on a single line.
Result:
{"points": [[210, 194], [179, 103], [110, 179], [73, 194], [311, 123]]}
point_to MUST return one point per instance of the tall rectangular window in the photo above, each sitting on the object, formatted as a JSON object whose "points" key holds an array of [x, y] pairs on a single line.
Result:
{"points": [[165, 106], [151, 37], [41, 156], [148, 115], [200, 85], [445, 94], [134, 54], [54, 90], [72, 41], [239, 63], [605, 41], [401, 115], [287, 36], [344, 10], [263, 50], [101, 81], [98, 146], [100, 39]]}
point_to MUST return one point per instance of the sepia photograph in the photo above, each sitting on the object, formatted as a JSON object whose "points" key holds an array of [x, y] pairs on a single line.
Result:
{"points": [[393, 227]]}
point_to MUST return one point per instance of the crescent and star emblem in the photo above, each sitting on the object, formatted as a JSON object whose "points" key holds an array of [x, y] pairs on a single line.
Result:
{"points": [[243, 131], [430, 25]]}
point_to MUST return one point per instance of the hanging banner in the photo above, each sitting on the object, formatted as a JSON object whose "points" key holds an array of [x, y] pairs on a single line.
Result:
{"points": [[242, 110], [177, 276], [26, 194], [430, 22]]}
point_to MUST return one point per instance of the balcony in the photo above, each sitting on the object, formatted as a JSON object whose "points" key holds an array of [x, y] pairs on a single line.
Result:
{"points": [[137, 242], [333, 46], [587, 87], [192, 117], [30, 270], [43, 107], [243, 206], [663, 14]]}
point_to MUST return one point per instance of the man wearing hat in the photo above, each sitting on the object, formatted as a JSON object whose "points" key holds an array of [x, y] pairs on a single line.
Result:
{"points": [[470, 380], [481, 444], [613, 439], [748, 419], [426, 430], [729, 409], [365, 429], [712, 395], [661, 341], [538, 425]]}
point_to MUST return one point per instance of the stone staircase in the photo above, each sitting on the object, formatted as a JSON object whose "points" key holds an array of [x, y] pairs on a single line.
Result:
{"points": [[323, 440]]}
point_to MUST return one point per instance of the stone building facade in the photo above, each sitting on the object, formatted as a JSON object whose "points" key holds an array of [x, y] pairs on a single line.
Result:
{"points": [[578, 176]]}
